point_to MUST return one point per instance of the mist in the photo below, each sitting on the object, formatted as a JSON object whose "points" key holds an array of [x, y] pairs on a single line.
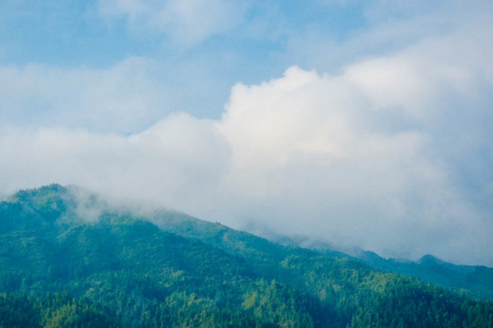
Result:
{"points": [[391, 153]]}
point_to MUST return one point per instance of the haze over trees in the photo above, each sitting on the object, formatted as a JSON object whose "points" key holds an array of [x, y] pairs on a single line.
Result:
{"points": [[167, 269]]}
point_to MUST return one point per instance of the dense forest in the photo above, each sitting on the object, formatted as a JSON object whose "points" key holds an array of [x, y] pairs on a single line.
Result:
{"points": [[68, 261], [475, 281]]}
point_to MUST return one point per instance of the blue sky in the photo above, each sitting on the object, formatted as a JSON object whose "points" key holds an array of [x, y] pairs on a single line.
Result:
{"points": [[249, 41], [363, 123], [87, 33]]}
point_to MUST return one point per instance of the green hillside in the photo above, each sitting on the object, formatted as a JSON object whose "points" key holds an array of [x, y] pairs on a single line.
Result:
{"points": [[474, 281], [171, 270]]}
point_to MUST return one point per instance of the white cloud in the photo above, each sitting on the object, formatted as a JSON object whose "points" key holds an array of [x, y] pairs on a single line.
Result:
{"points": [[186, 22], [311, 156], [387, 27], [391, 154], [159, 164], [122, 98]]}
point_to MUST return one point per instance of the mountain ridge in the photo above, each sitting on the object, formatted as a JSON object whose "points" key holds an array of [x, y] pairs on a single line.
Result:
{"points": [[192, 272], [473, 280]]}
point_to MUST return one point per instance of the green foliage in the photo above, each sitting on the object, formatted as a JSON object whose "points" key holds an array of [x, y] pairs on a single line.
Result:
{"points": [[122, 270], [474, 281], [50, 201], [53, 310]]}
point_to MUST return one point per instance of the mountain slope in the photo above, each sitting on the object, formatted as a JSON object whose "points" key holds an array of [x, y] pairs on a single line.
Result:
{"points": [[473, 281], [181, 271]]}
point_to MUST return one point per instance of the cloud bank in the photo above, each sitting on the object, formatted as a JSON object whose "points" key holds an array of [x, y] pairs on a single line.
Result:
{"points": [[391, 154]]}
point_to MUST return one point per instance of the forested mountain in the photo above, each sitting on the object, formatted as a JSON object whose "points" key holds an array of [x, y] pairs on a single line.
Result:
{"points": [[474, 281], [69, 268]]}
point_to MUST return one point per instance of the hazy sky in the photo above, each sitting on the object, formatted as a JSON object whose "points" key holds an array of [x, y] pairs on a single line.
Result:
{"points": [[362, 122]]}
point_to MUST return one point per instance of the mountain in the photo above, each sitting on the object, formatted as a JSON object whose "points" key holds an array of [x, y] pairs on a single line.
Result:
{"points": [[473, 281], [60, 260]]}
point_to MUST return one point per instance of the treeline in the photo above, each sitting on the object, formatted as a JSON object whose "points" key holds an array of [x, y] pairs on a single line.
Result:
{"points": [[268, 305], [53, 310], [401, 302]]}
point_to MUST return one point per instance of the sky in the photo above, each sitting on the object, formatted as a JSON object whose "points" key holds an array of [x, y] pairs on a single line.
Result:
{"points": [[362, 123]]}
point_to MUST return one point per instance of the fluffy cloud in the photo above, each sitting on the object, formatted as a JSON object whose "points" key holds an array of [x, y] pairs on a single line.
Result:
{"points": [[340, 158], [392, 154], [160, 164]]}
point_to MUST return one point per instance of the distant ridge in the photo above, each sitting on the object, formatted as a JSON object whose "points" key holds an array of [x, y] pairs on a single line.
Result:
{"points": [[474, 281]]}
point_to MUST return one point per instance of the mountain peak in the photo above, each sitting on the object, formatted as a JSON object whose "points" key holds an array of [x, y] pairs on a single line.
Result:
{"points": [[49, 201], [429, 260], [52, 190]]}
